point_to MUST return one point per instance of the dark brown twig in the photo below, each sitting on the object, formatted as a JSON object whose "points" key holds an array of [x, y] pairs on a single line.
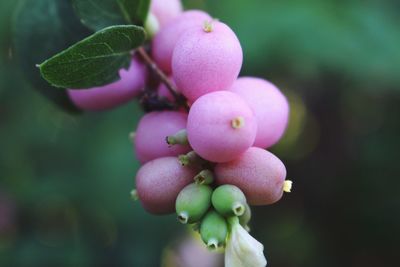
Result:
{"points": [[164, 79]]}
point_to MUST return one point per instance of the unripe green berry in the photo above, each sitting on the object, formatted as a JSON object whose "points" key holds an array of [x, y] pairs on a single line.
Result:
{"points": [[229, 200], [151, 25], [193, 202], [245, 218], [214, 230]]}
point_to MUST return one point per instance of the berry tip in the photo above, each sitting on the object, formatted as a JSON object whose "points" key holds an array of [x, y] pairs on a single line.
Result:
{"points": [[212, 244], [287, 186], [237, 122], [238, 209], [183, 217], [208, 26]]}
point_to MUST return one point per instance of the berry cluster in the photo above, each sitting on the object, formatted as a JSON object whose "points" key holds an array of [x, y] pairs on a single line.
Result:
{"points": [[203, 153]]}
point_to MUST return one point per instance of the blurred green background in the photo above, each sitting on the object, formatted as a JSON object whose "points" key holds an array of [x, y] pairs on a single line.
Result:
{"points": [[65, 179]]}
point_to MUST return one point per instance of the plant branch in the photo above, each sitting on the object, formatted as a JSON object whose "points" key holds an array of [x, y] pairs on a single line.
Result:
{"points": [[164, 79]]}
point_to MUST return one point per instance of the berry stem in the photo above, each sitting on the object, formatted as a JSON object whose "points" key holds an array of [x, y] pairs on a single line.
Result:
{"points": [[204, 177], [180, 138], [191, 158], [164, 79], [232, 221]]}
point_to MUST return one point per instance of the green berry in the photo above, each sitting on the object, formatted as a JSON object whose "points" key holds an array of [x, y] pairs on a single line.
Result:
{"points": [[245, 218], [193, 202], [214, 230], [229, 200], [151, 25]]}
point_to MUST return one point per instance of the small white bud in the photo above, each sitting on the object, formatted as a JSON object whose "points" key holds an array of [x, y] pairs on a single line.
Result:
{"points": [[242, 249]]}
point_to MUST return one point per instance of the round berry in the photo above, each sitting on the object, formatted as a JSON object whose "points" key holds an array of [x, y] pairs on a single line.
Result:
{"points": [[257, 172], [269, 105], [165, 10], [130, 84], [7, 213], [150, 137], [193, 202], [213, 230], [206, 58], [229, 200], [244, 219], [164, 42], [159, 182], [151, 25], [221, 126]]}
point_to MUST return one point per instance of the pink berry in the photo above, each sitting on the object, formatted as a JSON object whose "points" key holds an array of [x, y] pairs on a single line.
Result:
{"points": [[257, 172], [112, 95], [221, 126], [150, 138], [269, 105], [164, 42], [165, 10], [7, 213], [159, 182], [206, 58]]}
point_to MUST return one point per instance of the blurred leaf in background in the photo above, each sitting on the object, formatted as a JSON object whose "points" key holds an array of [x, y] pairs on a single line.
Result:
{"points": [[42, 28], [65, 180]]}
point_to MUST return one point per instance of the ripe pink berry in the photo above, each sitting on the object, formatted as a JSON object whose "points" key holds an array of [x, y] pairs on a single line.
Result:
{"points": [[112, 95], [257, 172], [7, 213], [165, 10], [164, 42], [221, 126], [159, 182], [269, 105], [206, 58], [150, 137]]}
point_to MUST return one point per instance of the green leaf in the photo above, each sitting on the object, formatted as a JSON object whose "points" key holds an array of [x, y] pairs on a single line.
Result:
{"points": [[94, 61], [135, 11], [41, 29], [99, 14]]}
